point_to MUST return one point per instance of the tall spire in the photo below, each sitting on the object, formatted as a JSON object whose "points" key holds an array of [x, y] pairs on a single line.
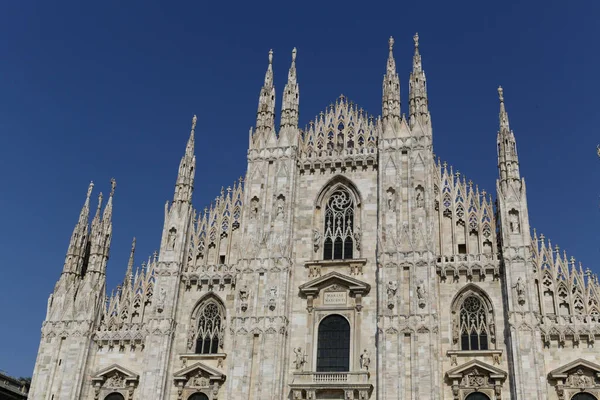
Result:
{"points": [[101, 234], [291, 97], [129, 272], [508, 161], [391, 87], [79, 237], [187, 167], [419, 104], [265, 116]]}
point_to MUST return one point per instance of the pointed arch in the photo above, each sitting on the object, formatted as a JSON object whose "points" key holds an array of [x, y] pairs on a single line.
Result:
{"points": [[207, 325], [473, 319], [337, 182]]}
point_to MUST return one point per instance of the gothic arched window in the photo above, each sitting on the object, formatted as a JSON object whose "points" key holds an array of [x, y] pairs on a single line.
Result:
{"points": [[114, 396], [333, 346], [210, 329], [198, 396], [477, 396], [583, 396], [473, 324], [339, 226]]}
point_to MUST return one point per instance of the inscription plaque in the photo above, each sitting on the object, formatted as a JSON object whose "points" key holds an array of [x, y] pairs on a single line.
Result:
{"points": [[335, 298]]}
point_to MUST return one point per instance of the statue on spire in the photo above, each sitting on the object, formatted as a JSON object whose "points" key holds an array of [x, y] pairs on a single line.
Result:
{"points": [[391, 88]]}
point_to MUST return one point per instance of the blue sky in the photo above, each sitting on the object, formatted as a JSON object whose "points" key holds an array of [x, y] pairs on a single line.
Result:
{"points": [[94, 90]]}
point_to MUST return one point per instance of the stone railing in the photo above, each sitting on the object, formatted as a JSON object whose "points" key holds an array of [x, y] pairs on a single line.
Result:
{"points": [[468, 265], [313, 383], [335, 378]]}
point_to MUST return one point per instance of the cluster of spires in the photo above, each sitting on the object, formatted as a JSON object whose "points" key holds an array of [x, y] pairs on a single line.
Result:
{"points": [[89, 245], [265, 135], [567, 281], [458, 197], [129, 302]]}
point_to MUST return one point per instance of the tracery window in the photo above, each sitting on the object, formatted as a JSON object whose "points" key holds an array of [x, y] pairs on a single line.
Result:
{"points": [[210, 323], [198, 396], [339, 226], [114, 396], [333, 346], [473, 324]]}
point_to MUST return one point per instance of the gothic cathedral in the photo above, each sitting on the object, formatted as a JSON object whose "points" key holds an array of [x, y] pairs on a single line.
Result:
{"points": [[349, 263]]}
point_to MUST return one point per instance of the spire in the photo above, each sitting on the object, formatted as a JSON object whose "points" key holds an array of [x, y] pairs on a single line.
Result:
{"points": [[391, 87], [129, 272], [291, 97], [419, 104], [508, 161], [265, 116], [101, 233], [185, 177], [79, 238]]}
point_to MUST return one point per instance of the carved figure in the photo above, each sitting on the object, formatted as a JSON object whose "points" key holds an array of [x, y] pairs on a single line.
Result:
{"points": [[365, 360], [300, 359], [244, 293], [171, 239], [520, 286], [316, 239], [162, 296], [391, 200], [357, 237], [392, 288], [280, 206], [254, 207], [420, 200], [515, 226]]}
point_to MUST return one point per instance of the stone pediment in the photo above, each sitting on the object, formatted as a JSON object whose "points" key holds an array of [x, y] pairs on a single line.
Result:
{"points": [[483, 368], [199, 370], [116, 373], [354, 286], [579, 364]]}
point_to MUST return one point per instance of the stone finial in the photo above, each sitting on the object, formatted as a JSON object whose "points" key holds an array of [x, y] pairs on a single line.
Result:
{"points": [[194, 120], [416, 39], [271, 56], [391, 43], [294, 51], [501, 94], [113, 186], [89, 192]]}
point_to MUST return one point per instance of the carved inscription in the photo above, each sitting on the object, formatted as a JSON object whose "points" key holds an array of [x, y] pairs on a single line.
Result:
{"points": [[334, 298]]}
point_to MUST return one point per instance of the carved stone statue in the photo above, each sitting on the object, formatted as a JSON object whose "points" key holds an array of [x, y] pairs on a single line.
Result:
{"points": [[162, 296], [365, 360], [244, 293], [300, 359], [316, 239], [280, 207], [357, 237], [254, 207], [392, 288], [515, 226], [520, 287], [171, 239], [420, 200], [421, 294], [391, 200]]}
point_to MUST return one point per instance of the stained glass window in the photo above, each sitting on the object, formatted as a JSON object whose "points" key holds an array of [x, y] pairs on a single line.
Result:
{"points": [[339, 226], [333, 349], [473, 325], [209, 329]]}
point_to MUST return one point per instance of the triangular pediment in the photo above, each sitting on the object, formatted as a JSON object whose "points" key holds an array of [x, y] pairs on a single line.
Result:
{"points": [[115, 370], [461, 370], [335, 278], [212, 373], [580, 363]]}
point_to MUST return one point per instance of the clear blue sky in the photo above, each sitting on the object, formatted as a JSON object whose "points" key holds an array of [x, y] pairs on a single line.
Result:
{"points": [[94, 90]]}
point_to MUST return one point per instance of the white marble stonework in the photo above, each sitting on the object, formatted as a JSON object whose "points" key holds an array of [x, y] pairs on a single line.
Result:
{"points": [[348, 263]]}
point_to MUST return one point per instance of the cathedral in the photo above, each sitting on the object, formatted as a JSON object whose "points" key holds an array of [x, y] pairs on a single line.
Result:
{"points": [[348, 263]]}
